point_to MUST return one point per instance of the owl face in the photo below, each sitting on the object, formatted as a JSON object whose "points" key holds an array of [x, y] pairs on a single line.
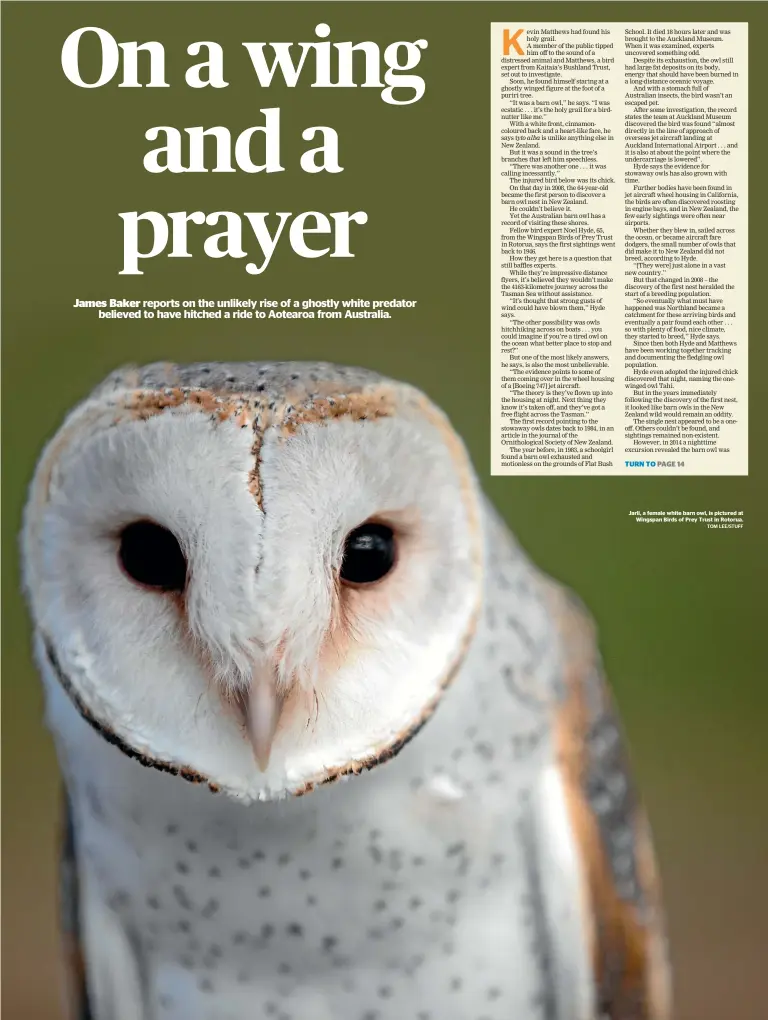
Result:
{"points": [[259, 576]]}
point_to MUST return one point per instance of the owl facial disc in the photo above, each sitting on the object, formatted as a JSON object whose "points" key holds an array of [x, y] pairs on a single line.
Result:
{"points": [[259, 576]]}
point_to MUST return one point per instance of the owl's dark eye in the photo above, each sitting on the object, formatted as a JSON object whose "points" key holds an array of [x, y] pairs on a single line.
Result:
{"points": [[369, 554], [151, 555]]}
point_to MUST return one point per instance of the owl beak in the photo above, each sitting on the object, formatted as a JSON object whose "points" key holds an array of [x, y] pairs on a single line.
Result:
{"points": [[262, 713]]}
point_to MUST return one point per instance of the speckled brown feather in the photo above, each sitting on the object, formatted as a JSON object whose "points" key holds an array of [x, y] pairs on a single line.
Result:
{"points": [[283, 394], [625, 925]]}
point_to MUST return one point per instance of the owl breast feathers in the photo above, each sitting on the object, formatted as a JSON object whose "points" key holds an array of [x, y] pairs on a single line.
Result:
{"points": [[266, 579]]}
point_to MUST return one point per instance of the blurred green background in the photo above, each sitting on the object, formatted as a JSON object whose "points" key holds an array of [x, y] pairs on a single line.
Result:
{"points": [[680, 609]]}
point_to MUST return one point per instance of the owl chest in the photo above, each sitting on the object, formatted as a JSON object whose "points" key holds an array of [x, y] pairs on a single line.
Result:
{"points": [[374, 893]]}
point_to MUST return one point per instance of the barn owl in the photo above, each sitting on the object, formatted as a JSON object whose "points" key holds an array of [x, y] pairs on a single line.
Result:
{"points": [[333, 748]]}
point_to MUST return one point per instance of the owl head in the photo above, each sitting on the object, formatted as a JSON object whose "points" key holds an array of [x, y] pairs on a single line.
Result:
{"points": [[259, 576]]}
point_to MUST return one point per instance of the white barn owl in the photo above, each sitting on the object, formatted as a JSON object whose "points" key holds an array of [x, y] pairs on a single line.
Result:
{"points": [[333, 748]]}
